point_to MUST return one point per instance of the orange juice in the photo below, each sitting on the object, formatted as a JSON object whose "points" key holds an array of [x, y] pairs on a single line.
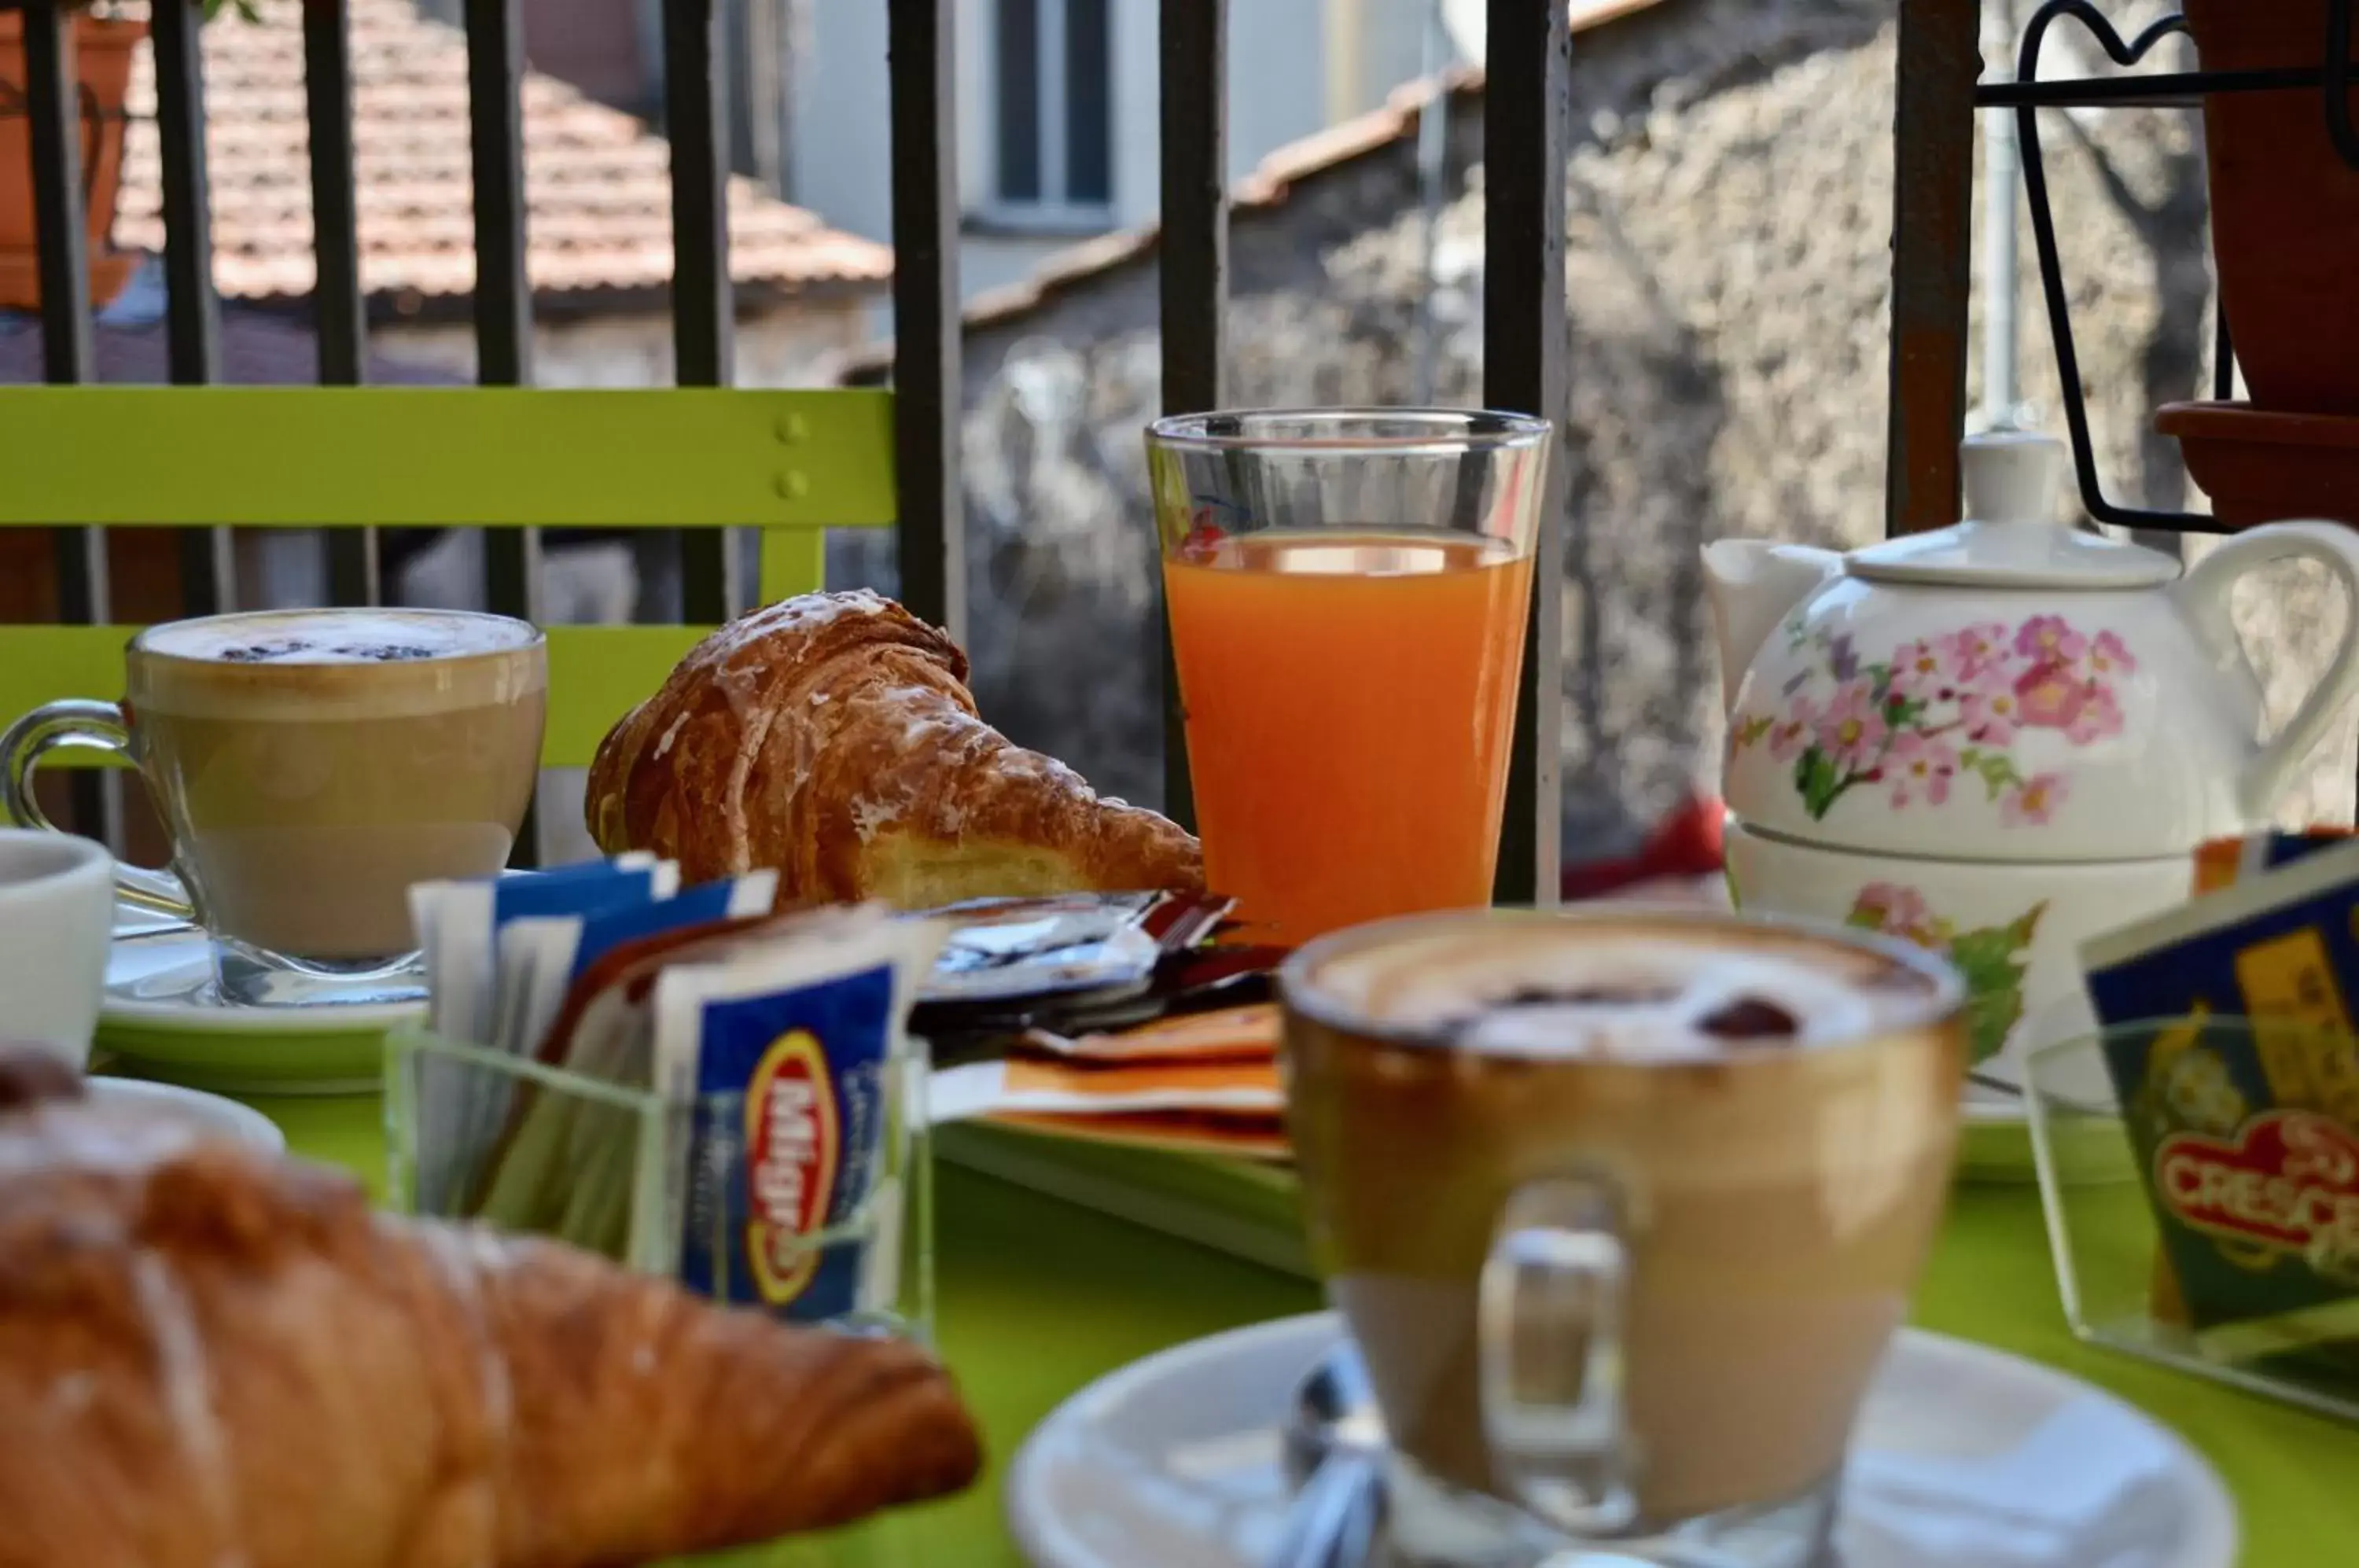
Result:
{"points": [[1349, 697]]}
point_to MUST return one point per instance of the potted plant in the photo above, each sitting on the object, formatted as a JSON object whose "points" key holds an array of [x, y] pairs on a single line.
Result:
{"points": [[104, 47], [2285, 209]]}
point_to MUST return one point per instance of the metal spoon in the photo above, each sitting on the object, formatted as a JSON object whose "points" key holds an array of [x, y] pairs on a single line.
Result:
{"points": [[1333, 1448]]}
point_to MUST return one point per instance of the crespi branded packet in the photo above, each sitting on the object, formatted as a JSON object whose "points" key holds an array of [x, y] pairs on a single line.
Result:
{"points": [[2244, 1112], [792, 1058]]}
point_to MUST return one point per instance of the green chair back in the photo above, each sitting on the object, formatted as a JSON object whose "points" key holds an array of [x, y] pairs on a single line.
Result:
{"points": [[790, 464]]}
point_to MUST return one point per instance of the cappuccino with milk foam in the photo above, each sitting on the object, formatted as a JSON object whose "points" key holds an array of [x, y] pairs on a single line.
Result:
{"points": [[311, 765], [1752, 1123]]}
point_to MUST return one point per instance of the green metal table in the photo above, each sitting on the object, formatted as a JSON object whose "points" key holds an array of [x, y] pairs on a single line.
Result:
{"points": [[1038, 1298]]}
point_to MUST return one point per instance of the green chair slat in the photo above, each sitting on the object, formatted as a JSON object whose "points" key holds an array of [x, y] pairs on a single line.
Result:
{"points": [[428, 457], [791, 464]]}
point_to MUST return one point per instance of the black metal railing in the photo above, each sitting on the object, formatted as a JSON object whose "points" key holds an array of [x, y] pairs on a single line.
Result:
{"points": [[1939, 95], [1526, 121], [53, 107]]}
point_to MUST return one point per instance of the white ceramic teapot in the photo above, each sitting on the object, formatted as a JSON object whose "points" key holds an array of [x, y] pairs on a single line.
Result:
{"points": [[2001, 737]]}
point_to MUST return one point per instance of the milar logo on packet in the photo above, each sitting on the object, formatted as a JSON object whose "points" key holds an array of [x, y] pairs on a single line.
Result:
{"points": [[2288, 1184], [794, 1149]]}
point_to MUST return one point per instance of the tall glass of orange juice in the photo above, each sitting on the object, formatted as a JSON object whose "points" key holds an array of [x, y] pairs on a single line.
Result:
{"points": [[1347, 593]]}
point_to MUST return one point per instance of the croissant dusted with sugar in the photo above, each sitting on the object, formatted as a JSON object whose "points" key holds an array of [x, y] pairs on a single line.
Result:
{"points": [[833, 737], [210, 1356]]}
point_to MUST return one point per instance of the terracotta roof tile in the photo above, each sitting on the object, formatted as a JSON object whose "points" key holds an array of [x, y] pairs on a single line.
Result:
{"points": [[596, 180]]}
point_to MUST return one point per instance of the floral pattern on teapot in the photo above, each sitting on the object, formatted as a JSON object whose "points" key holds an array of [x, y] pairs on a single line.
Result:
{"points": [[1941, 713], [1992, 960]]}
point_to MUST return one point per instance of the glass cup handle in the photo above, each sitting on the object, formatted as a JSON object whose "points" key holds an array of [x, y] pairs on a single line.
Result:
{"points": [[97, 727], [1549, 1318]]}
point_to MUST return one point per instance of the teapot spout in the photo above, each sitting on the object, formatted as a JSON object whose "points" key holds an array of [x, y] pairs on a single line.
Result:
{"points": [[1752, 584]]}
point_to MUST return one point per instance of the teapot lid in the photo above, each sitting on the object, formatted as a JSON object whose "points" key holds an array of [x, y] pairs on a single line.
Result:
{"points": [[2011, 537]]}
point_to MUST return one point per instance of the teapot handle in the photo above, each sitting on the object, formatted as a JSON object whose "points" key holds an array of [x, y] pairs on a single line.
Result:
{"points": [[2206, 591]]}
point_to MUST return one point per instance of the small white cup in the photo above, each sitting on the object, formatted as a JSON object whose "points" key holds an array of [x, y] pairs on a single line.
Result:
{"points": [[57, 916]]}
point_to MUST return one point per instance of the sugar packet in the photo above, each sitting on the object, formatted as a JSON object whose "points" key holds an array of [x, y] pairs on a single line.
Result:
{"points": [[1003, 949], [458, 926], [791, 1060], [2242, 1102], [568, 1165], [2282, 945], [540, 957], [2225, 862], [1030, 1086]]}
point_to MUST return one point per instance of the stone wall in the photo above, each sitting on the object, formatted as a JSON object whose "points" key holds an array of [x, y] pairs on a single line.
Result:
{"points": [[1730, 207]]}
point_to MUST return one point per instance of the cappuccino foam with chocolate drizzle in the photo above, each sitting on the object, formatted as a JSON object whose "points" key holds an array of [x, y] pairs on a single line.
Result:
{"points": [[1625, 991], [337, 637]]}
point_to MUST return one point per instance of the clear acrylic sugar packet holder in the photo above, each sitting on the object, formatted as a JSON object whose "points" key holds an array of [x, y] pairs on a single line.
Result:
{"points": [[2226, 1294], [612, 1169]]}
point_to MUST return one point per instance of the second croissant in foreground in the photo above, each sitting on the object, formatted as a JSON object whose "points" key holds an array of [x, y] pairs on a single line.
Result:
{"points": [[211, 1355], [833, 737]]}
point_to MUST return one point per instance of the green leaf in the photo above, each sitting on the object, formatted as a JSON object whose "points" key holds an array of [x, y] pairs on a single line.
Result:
{"points": [[1990, 964], [1865, 917], [1998, 772], [1989, 1016], [1750, 732], [1820, 784]]}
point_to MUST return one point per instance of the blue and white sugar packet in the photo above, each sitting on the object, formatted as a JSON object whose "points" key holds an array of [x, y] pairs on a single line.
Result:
{"points": [[458, 926], [793, 1061], [459, 1110], [540, 957]]}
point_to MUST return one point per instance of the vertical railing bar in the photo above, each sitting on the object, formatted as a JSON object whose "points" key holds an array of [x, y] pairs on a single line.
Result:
{"points": [[502, 289], [1193, 268], [337, 310], [54, 106], [191, 317], [62, 257], [928, 351], [1526, 137], [696, 118], [1934, 136]]}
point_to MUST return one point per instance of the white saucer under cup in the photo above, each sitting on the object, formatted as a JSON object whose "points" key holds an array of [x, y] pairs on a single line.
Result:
{"points": [[57, 907], [1963, 1457]]}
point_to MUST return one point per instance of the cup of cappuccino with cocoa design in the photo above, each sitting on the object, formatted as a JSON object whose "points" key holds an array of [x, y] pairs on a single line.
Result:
{"points": [[310, 765], [1623, 1208]]}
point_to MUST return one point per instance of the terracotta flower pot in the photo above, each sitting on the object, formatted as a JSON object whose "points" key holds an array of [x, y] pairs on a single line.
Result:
{"points": [[2284, 209], [2260, 466], [104, 48]]}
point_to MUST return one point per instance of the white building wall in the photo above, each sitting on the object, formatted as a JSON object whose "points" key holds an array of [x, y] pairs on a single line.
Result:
{"points": [[1278, 92]]}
